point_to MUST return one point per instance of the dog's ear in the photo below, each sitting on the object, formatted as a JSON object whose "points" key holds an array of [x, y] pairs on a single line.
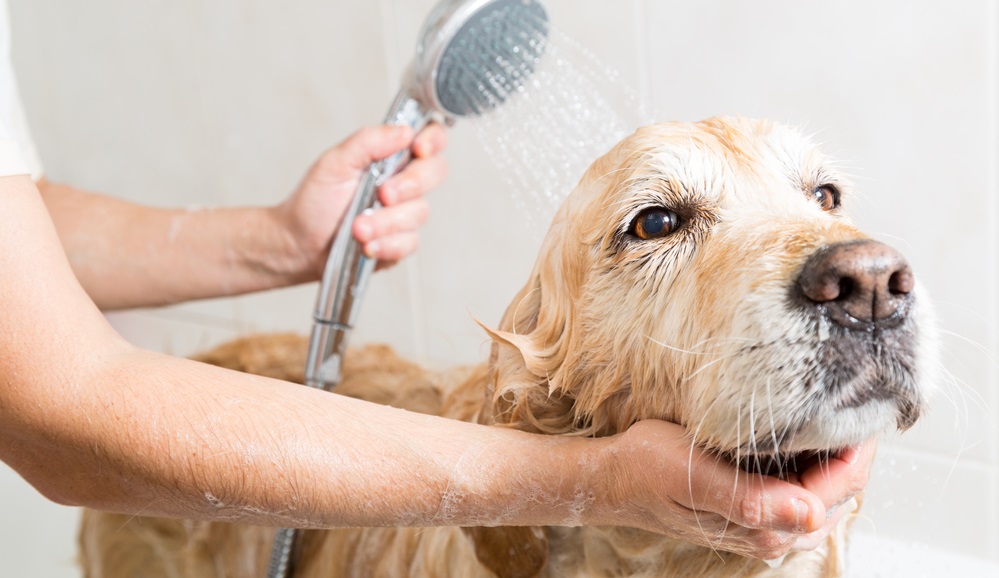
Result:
{"points": [[558, 364], [511, 551], [532, 341]]}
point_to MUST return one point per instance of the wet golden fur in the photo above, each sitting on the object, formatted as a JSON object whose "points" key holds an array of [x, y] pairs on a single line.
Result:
{"points": [[694, 328]]}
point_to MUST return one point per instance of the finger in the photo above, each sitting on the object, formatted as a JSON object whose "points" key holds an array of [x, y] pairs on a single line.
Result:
{"points": [[838, 479], [419, 177], [752, 500], [368, 145], [431, 141], [404, 218], [813, 540], [760, 544], [392, 249]]}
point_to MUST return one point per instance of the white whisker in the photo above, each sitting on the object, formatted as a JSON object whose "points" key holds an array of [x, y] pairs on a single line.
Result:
{"points": [[690, 480]]}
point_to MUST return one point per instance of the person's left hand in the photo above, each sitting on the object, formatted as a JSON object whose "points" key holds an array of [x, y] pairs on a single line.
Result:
{"points": [[313, 213]]}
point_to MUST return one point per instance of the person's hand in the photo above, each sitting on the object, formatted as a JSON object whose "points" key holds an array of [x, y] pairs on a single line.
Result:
{"points": [[658, 480], [836, 481], [312, 214]]}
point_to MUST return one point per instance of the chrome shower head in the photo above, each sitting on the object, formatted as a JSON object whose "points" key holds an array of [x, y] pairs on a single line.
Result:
{"points": [[472, 54]]}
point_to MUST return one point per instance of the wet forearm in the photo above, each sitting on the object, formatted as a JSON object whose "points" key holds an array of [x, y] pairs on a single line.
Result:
{"points": [[127, 255], [222, 445]]}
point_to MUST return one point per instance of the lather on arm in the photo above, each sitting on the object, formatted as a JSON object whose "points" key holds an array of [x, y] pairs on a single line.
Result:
{"points": [[130, 255]]}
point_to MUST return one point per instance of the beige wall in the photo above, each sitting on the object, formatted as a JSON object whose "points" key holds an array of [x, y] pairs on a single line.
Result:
{"points": [[204, 102]]}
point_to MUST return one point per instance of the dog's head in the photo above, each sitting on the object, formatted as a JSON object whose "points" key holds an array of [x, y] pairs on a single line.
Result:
{"points": [[706, 274]]}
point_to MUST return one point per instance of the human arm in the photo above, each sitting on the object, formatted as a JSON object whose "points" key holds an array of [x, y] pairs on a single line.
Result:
{"points": [[129, 255]]}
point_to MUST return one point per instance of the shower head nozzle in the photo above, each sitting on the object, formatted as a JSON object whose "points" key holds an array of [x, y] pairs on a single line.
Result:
{"points": [[473, 54]]}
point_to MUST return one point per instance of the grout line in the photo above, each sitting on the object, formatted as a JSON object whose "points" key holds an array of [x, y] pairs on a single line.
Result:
{"points": [[394, 71], [642, 57], [992, 59], [992, 499]]}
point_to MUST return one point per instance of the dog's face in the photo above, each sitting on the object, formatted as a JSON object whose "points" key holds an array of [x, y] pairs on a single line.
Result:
{"points": [[706, 274]]}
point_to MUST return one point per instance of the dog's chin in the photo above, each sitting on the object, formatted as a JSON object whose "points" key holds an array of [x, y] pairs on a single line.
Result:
{"points": [[786, 466], [818, 440]]}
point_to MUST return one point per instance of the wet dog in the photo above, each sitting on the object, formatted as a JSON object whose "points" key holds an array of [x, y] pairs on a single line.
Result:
{"points": [[701, 273]]}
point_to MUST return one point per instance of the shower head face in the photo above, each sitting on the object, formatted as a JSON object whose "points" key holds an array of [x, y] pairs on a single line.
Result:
{"points": [[473, 54]]}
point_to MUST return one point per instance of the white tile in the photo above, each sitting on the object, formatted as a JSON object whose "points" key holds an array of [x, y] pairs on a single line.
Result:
{"points": [[608, 34], [926, 501], [172, 333], [390, 314], [191, 103], [992, 505], [279, 310], [870, 556], [37, 537], [993, 400]]}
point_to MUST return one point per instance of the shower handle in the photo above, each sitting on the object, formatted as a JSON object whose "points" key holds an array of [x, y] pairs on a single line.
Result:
{"points": [[347, 267]]}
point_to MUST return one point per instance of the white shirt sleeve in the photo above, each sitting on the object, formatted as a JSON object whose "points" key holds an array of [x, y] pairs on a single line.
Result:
{"points": [[11, 160], [18, 155]]}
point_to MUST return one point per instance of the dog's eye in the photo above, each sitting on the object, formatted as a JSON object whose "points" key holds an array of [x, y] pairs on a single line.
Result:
{"points": [[654, 223], [827, 197]]}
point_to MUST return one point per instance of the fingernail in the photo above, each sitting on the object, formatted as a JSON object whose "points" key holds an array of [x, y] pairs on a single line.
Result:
{"points": [[405, 186], [362, 230], [801, 516], [426, 148], [389, 195], [850, 505], [372, 249]]}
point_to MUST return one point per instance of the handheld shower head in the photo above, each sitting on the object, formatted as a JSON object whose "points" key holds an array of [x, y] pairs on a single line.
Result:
{"points": [[471, 55]]}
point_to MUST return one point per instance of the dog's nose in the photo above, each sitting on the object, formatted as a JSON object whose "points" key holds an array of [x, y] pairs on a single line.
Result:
{"points": [[866, 280]]}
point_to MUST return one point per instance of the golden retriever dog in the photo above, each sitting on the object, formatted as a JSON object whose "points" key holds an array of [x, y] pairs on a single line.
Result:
{"points": [[701, 273]]}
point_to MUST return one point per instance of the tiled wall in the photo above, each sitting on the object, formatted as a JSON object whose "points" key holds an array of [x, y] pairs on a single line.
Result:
{"points": [[188, 102]]}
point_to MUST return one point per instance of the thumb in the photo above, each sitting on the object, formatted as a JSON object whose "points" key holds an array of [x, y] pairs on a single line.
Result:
{"points": [[752, 500]]}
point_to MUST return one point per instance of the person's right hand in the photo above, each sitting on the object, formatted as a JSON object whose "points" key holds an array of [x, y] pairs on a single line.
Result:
{"points": [[312, 214], [656, 479]]}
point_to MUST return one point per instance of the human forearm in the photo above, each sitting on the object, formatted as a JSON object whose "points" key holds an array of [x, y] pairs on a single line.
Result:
{"points": [[221, 445], [128, 255]]}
